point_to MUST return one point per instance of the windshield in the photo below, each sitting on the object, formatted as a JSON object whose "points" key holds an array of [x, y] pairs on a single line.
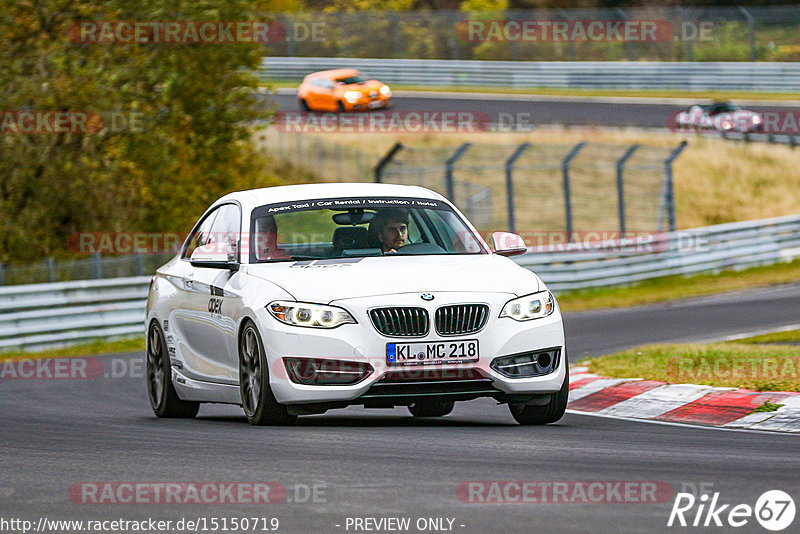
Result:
{"points": [[358, 227], [347, 80]]}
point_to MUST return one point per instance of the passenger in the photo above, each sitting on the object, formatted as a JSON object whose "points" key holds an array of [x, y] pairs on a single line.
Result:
{"points": [[267, 240]]}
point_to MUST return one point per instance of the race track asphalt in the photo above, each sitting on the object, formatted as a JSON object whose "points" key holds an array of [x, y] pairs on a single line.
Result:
{"points": [[382, 463], [538, 111]]}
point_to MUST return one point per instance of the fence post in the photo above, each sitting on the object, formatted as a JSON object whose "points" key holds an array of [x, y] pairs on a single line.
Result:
{"points": [[689, 42], [512, 225], [385, 160], [97, 268], [290, 46], [452, 38], [751, 33], [567, 193], [670, 192], [138, 264], [398, 36], [628, 49], [50, 265], [571, 42], [621, 187], [448, 171], [2, 274]]}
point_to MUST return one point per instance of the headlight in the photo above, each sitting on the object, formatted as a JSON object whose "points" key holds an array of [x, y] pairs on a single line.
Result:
{"points": [[529, 307], [756, 119], [311, 315], [385, 91], [352, 96]]}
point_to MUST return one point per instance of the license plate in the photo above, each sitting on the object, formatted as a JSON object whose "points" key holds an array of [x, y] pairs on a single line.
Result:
{"points": [[436, 352], [375, 104]]}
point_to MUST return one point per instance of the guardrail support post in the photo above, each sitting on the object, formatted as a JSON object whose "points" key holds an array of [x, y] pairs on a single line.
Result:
{"points": [[97, 268], [628, 49], [290, 42], [621, 187], [138, 264], [751, 33], [567, 194], [689, 42], [385, 160], [2, 274], [512, 225], [448, 171], [50, 265], [670, 192]]}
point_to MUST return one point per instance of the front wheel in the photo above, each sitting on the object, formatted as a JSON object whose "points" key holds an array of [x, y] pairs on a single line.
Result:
{"points": [[431, 408], [546, 413], [163, 398], [258, 402]]}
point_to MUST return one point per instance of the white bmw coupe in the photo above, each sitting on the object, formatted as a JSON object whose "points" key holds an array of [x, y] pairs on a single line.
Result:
{"points": [[295, 300]]}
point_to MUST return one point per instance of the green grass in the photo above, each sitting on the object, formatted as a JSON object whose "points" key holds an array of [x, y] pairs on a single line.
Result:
{"points": [[550, 91], [743, 363], [91, 348], [679, 287], [788, 336], [767, 407]]}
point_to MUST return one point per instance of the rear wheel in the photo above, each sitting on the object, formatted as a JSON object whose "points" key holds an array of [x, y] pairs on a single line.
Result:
{"points": [[163, 398], [303, 104], [529, 414], [431, 408], [258, 402]]}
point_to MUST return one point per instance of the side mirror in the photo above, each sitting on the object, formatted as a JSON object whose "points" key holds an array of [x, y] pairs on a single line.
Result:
{"points": [[213, 256], [508, 244]]}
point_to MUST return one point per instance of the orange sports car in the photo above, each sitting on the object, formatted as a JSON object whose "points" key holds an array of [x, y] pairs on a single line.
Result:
{"points": [[342, 90]]}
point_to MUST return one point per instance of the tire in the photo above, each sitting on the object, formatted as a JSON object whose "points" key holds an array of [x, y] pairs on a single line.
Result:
{"points": [[340, 107], [547, 413], [258, 402], [163, 398], [303, 105], [431, 408]]}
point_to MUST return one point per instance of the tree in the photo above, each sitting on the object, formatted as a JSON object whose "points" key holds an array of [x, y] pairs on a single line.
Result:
{"points": [[167, 126]]}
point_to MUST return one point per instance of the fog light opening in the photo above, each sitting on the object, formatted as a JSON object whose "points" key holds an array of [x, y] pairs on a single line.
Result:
{"points": [[316, 371], [527, 364]]}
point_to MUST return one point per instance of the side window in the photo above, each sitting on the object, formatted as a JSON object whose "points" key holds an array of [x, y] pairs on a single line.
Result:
{"points": [[201, 235], [225, 229], [220, 226]]}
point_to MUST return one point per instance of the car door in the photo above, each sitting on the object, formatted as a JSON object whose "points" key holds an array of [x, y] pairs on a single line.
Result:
{"points": [[204, 325]]}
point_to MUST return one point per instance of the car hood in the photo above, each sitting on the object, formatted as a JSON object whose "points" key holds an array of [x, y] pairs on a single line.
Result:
{"points": [[364, 87], [324, 281]]}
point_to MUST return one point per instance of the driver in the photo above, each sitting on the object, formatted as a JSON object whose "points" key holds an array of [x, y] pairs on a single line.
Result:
{"points": [[389, 229]]}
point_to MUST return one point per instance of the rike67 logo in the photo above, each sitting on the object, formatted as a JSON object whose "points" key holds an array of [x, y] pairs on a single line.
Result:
{"points": [[774, 510]]}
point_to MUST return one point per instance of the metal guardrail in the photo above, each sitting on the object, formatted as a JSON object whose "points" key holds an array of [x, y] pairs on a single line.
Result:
{"points": [[63, 313], [707, 76], [40, 315], [724, 246]]}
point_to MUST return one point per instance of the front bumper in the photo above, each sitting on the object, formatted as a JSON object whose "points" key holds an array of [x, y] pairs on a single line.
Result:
{"points": [[362, 343], [366, 103]]}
